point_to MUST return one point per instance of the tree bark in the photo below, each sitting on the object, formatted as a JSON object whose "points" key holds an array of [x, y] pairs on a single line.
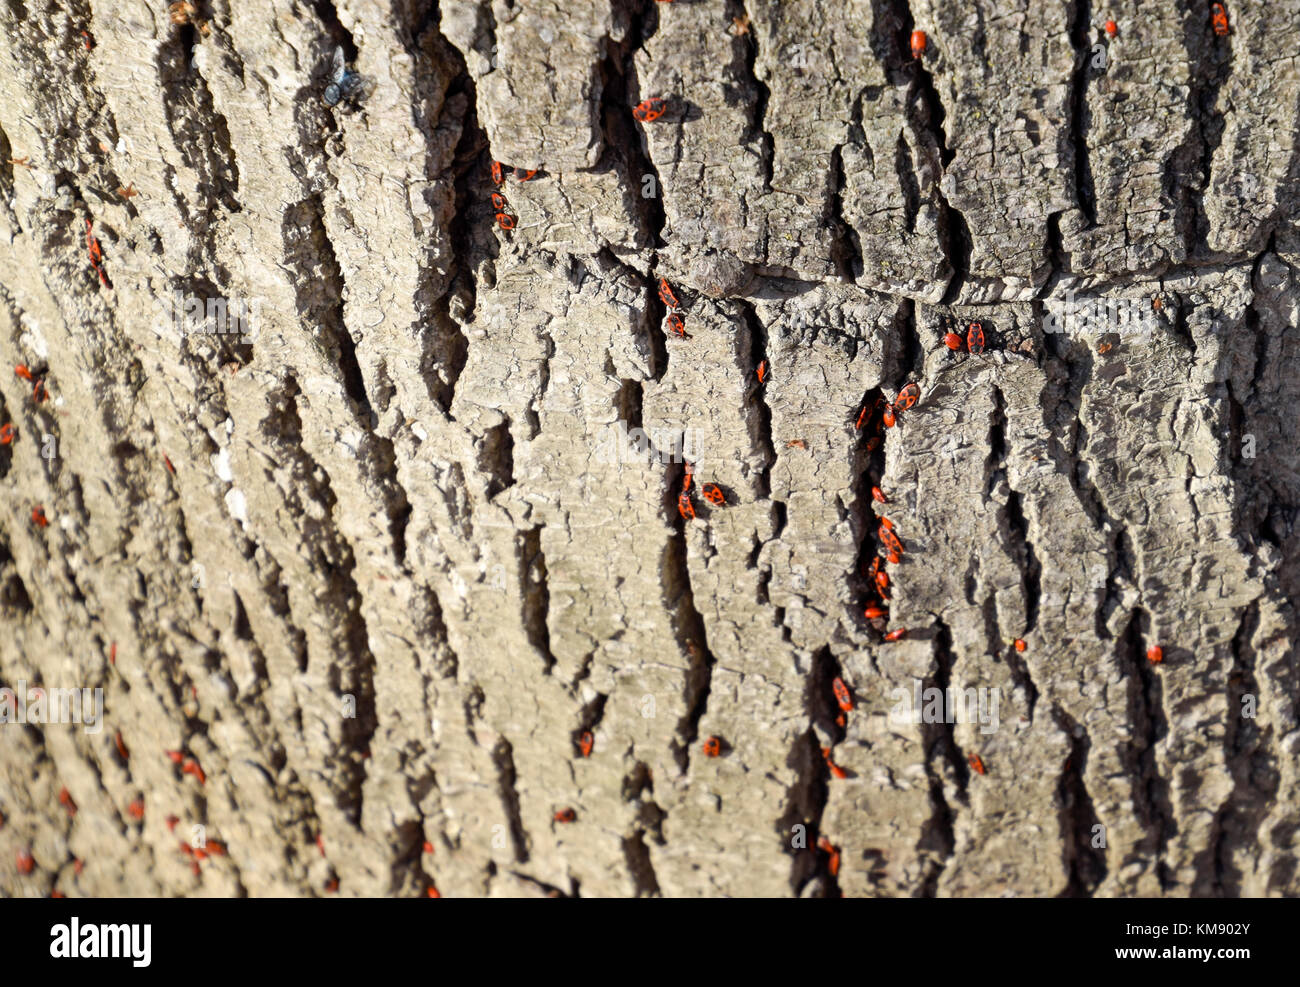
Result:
{"points": [[378, 560]]}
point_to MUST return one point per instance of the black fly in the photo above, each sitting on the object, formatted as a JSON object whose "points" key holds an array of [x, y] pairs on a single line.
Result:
{"points": [[344, 83]]}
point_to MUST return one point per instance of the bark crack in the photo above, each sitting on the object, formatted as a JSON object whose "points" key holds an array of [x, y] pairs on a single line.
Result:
{"points": [[760, 424], [625, 141], [1254, 780], [508, 791], [1150, 726], [648, 819], [943, 761], [746, 46], [1085, 862], [536, 596], [846, 250], [688, 628], [1080, 17], [1210, 58], [891, 40]]}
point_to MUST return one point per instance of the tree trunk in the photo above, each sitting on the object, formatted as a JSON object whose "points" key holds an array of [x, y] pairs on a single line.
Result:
{"points": [[372, 561]]}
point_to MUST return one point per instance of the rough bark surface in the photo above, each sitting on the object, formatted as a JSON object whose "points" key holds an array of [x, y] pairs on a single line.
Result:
{"points": [[399, 500]]}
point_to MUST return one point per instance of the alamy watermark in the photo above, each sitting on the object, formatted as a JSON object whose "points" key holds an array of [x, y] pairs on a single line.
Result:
{"points": [[618, 444], [190, 315], [951, 705], [38, 705], [1098, 316], [131, 941]]}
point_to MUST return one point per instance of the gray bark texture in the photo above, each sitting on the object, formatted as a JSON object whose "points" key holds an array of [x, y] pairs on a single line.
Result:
{"points": [[374, 568]]}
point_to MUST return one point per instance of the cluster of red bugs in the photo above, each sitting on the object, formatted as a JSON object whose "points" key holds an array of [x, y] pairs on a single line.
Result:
{"points": [[506, 219], [709, 491], [974, 341], [844, 700], [674, 319], [887, 411], [96, 254], [873, 417]]}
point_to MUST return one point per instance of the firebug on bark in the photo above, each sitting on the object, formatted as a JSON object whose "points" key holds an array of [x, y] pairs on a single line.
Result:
{"points": [[1219, 17], [842, 695], [649, 110]]}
